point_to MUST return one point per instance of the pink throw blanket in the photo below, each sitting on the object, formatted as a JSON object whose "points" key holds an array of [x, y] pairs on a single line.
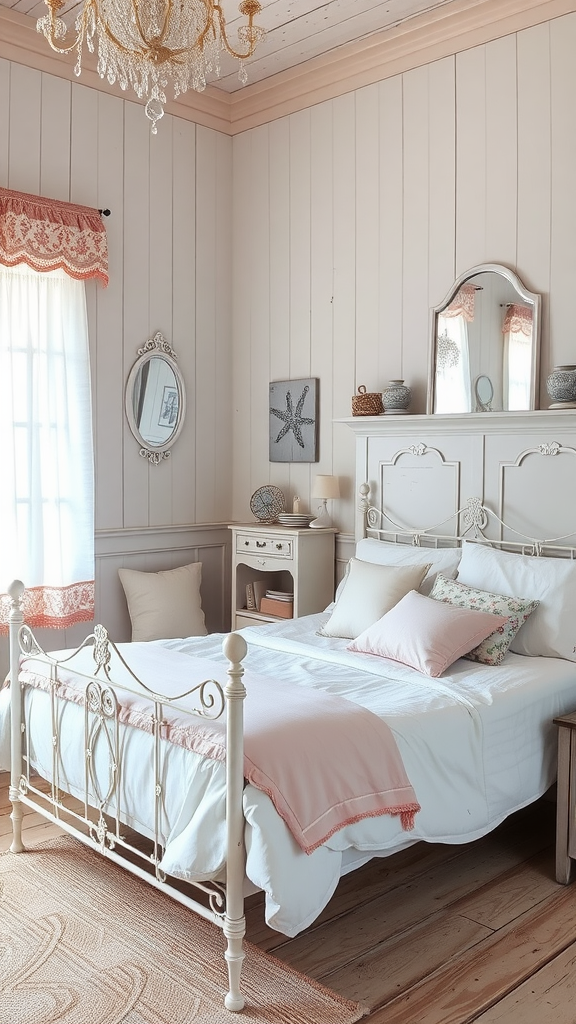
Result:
{"points": [[324, 761]]}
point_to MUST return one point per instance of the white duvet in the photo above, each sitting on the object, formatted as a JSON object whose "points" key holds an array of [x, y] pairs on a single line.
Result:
{"points": [[477, 744]]}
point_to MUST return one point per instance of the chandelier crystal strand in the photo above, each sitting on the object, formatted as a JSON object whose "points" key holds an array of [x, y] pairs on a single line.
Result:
{"points": [[145, 44]]}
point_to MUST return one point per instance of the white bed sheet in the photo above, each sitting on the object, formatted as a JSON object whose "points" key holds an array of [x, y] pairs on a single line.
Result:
{"points": [[477, 744]]}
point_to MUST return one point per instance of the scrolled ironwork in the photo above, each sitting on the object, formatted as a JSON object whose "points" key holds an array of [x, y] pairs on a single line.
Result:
{"points": [[28, 642], [101, 649]]}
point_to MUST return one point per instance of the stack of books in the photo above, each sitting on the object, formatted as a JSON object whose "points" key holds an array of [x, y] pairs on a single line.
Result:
{"points": [[277, 602]]}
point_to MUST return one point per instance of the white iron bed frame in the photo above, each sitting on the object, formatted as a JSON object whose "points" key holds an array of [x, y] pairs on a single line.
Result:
{"points": [[471, 520]]}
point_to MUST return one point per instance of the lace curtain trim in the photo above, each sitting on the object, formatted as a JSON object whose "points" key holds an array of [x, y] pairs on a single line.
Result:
{"points": [[47, 234], [518, 320], [463, 303], [53, 607]]}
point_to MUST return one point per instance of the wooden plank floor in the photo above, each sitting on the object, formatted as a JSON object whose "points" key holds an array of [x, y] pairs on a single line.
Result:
{"points": [[435, 934]]}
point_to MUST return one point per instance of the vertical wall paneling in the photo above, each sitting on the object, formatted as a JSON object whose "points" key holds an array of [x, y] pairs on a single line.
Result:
{"points": [[344, 303], [471, 158], [241, 308], [416, 226], [299, 472], [321, 278], [222, 413], [55, 138], [207, 297], [138, 278], [561, 341], [389, 129], [367, 239], [184, 310], [259, 285], [442, 180], [161, 301], [83, 134], [279, 261], [25, 129], [100, 139], [4, 120], [501, 152]]}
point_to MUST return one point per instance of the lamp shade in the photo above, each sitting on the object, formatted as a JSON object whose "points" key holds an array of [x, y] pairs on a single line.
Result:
{"points": [[326, 486]]}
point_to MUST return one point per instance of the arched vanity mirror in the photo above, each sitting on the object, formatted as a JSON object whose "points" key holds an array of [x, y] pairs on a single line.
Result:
{"points": [[155, 399], [484, 344]]}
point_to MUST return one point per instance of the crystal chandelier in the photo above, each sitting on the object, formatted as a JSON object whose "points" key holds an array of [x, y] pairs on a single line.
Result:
{"points": [[145, 43]]}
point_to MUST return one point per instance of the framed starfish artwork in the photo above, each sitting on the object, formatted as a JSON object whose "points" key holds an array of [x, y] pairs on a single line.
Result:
{"points": [[294, 420]]}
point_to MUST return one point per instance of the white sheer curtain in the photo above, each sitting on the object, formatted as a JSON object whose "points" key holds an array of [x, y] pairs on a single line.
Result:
{"points": [[47, 502], [452, 390]]}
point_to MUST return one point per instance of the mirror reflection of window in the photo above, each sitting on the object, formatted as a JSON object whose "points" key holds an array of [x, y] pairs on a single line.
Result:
{"points": [[453, 391], [517, 331]]}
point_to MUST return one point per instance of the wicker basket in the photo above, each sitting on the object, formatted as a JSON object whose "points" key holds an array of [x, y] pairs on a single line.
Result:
{"points": [[367, 403]]}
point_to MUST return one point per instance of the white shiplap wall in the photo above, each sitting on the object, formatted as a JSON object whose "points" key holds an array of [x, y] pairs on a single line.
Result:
{"points": [[170, 270], [354, 217]]}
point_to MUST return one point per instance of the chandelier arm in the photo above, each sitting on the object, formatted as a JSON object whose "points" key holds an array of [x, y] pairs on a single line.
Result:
{"points": [[229, 49], [53, 7]]}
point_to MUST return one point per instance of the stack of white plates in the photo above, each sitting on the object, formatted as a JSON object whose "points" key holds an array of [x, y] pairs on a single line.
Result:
{"points": [[294, 519]]}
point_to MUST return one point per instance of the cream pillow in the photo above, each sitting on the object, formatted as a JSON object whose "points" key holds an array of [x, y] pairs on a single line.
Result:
{"points": [[444, 560], [425, 634], [368, 592], [550, 632], [165, 604]]}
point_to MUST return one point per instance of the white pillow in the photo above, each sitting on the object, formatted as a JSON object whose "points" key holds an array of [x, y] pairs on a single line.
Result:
{"points": [[368, 592], [550, 632], [165, 604], [425, 634], [444, 560]]}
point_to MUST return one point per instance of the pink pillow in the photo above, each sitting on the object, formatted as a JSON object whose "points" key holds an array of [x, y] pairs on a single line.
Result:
{"points": [[425, 634]]}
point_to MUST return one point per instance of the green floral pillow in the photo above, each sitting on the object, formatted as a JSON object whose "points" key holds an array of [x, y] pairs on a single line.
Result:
{"points": [[517, 609]]}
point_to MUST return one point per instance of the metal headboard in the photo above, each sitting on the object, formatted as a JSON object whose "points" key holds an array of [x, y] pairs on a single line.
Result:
{"points": [[472, 520]]}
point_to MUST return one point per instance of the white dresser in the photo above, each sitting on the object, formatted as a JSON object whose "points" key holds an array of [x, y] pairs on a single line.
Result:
{"points": [[298, 561]]}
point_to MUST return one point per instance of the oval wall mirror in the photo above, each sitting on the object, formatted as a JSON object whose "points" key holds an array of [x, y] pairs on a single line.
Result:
{"points": [[484, 336], [155, 399]]}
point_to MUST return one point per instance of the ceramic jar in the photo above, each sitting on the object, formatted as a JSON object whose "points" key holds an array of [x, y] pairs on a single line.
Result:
{"points": [[396, 397], [561, 385]]}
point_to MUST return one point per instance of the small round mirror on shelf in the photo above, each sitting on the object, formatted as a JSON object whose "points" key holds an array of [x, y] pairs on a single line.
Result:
{"points": [[484, 393], [155, 399]]}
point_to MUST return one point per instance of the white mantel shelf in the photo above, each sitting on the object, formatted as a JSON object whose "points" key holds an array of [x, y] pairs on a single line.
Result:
{"points": [[549, 420]]}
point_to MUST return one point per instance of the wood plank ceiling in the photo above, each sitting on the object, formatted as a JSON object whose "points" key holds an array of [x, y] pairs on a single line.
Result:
{"points": [[296, 30]]}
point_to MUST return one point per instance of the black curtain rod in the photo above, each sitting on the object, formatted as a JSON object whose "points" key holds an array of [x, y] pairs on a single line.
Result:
{"points": [[105, 213]]}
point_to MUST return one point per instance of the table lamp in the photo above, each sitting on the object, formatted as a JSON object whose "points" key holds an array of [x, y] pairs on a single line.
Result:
{"points": [[325, 487]]}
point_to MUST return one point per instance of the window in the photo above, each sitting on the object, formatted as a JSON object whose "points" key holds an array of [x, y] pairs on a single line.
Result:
{"points": [[47, 250]]}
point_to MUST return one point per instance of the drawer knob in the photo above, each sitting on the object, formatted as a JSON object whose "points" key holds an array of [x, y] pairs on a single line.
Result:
{"points": [[246, 542], [260, 543], [279, 547]]}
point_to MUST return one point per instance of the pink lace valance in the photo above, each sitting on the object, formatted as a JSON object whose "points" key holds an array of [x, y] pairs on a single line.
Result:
{"points": [[518, 320], [463, 303], [47, 234]]}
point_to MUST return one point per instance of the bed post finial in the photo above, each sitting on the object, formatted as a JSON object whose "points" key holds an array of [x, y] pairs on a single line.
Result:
{"points": [[234, 928], [16, 620]]}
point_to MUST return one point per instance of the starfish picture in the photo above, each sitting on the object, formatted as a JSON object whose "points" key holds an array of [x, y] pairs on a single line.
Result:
{"points": [[293, 418], [291, 442]]}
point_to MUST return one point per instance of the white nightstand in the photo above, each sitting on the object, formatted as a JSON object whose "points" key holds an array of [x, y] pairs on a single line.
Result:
{"points": [[289, 560]]}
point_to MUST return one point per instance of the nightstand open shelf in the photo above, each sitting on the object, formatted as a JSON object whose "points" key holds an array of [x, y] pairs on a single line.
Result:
{"points": [[298, 561]]}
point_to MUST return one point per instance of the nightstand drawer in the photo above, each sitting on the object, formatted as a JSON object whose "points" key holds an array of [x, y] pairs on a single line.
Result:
{"points": [[272, 547]]}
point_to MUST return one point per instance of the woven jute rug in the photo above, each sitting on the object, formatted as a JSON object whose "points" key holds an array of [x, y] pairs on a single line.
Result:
{"points": [[84, 942]]}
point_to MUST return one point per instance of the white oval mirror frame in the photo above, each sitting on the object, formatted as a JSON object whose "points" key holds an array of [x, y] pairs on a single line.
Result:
{"points": [[485, 356], [155, 399]]}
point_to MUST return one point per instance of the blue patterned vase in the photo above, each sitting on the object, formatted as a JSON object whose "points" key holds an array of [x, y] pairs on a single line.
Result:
{"points": [[396, 397], [561, 386]]}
